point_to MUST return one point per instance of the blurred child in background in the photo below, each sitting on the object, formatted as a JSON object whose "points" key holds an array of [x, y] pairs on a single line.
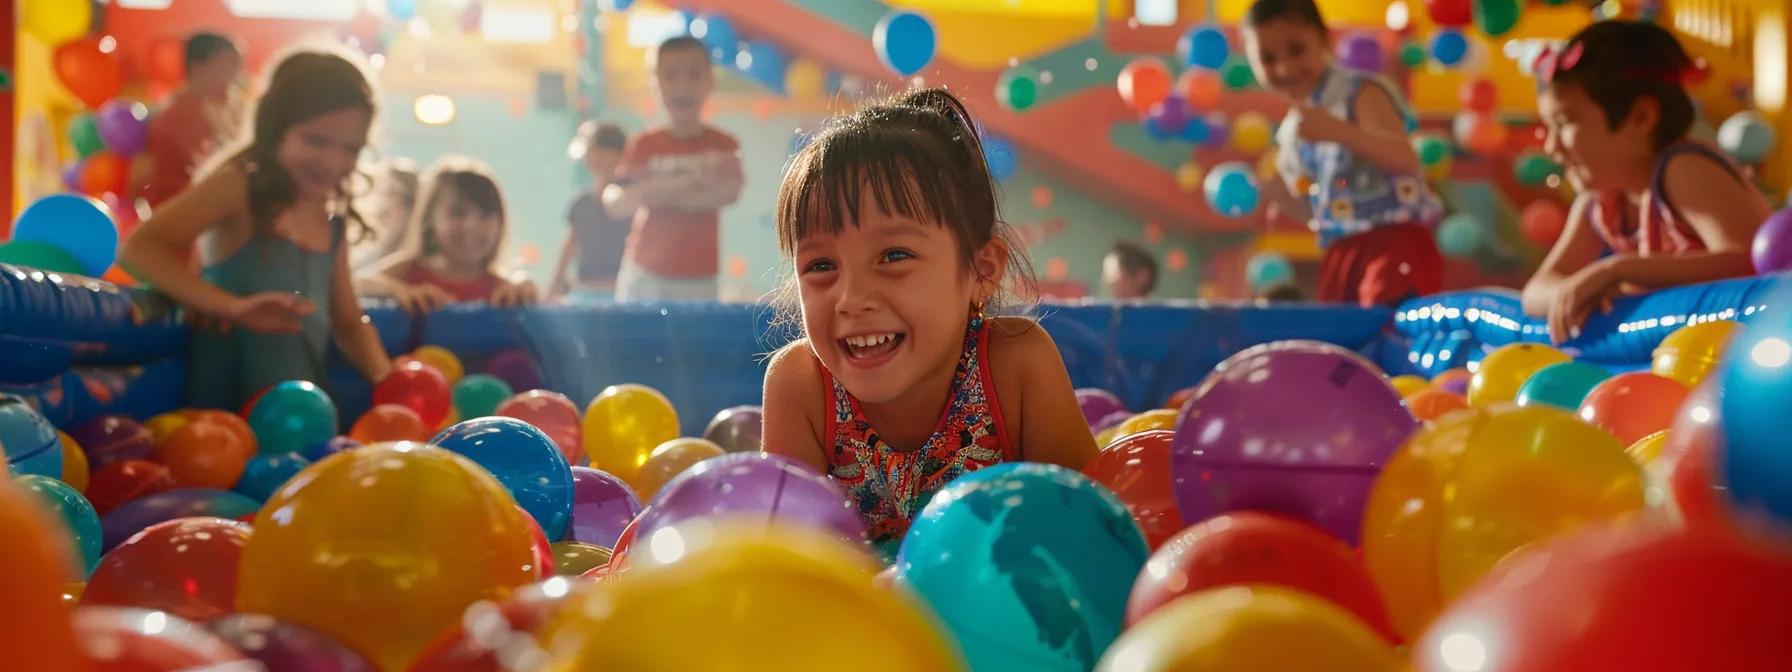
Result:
{"points": [[594, 237], [451, 255]]}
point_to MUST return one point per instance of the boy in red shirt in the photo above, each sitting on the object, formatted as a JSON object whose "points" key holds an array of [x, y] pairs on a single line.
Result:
{"points": [[186, 130], [673, 180]]}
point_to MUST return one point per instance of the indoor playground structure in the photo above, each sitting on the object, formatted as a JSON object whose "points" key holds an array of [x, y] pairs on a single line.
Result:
{"points": [[1435, 486]]}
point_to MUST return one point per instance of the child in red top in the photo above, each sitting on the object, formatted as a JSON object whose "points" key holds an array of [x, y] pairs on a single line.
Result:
{"points": [[903, 382], [452, 252], [672, 181], [1670, 212], [184, 132]]}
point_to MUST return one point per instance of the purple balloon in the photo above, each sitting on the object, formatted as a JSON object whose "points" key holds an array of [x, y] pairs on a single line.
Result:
{"points": [[1219, 130], [1772, 250], [284, 647], [71, 176], [1170, 114], [1360, 52], [1098, 404], [602, 505], [514, 368], [1294, 427], [110, 438], [758, 485], [738, 430], [133, 516], [123, 126]]}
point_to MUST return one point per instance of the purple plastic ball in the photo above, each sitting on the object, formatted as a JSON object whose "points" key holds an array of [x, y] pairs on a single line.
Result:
{"points": [[1294, 427], [110, 438], [514, 368], [1098, 404], [279, 645], [738, 430], [602, 506], [1110, 421], [1170, 115], [755, 485], [1772, 249], [133, 516]]}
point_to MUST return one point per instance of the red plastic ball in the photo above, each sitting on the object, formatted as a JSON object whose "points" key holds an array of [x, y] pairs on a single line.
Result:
{"points": [[186, 567], [1633, 405], [1479, 94], [1258, 548], [122, 639], [1637, 598], [1137, 468], [472, 643], [418, 386], [124, 480]]}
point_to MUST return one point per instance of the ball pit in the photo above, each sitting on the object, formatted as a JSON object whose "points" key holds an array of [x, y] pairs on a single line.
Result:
{"points": [[659, 573]]}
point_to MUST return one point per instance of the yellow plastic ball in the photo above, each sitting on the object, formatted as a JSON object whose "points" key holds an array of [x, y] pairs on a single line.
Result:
{"points": [[753, 599], [1690, 353], [623, 425], [1472, 487], [1107, 437], [1646, 449], [1250, 629], [1162, 418], [74, 464], [1251, 132], [668, 461], [1506, 369], [1407, 385], [444, 361], [384, 546], [165, 425]]}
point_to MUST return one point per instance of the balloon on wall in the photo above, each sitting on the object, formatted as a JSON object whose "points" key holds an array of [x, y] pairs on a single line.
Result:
{"points": [[1143, 83], [84, 135], [1267, 269], [1204, 47], [765, 63], [1167, 117], [1496, 17], [89, 72], [123, 125], [1455, 13], [1449, 47], [1231, 189], [1200, 88], [1460, 235], [999, 153], [1542, 222], [1018, 88], [1746, 137], [904, 42], [805, 80], [717, 34], [1361, 52], [54, 22]]}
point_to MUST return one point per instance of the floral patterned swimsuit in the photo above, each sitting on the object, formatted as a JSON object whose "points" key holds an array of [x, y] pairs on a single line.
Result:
{"points": [[888, 487]]}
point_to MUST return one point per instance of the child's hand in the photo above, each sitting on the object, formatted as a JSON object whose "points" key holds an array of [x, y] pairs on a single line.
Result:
{"points": [[1314, 124], [418, 299], [1589, 288], [511, 295], [270, 312]]}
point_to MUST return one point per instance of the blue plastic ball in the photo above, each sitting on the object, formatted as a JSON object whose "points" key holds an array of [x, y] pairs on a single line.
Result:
{"points": [[1757, 391], [904, 42], [998, 152], [1204, 47], [292, 417], [30, 441], [1561, 385], [524, 460], [1231, 189], [1449, 47], [1460, 235], [75, 512], [265, 473], [1029, 566], [74, 224], [1746, 137]]}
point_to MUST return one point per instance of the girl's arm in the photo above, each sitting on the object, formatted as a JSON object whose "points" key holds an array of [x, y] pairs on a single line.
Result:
{"points": [[383, 281], [515, 292], [795, 406], [1379, 134], [157, 253], [354, 333], [1723, 211], [1578, 246], [1027, 364]]}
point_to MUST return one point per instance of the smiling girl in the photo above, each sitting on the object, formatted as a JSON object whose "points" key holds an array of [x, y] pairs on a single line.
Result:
{"points": [[1662, 210], [271, 218], [451, 255]]}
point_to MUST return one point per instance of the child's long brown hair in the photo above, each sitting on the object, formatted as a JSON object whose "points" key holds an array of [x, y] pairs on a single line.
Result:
{"points": [[308, 83]]}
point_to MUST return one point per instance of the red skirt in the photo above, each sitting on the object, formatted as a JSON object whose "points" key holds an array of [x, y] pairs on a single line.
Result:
{"points": [[1382, 266]]}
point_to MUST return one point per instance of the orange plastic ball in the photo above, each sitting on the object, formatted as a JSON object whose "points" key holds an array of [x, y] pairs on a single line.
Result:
{"points": [[389, 422], [205, 455]]}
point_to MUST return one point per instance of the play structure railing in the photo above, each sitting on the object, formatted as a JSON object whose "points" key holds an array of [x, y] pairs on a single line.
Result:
{"points": [[77, 347]]}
